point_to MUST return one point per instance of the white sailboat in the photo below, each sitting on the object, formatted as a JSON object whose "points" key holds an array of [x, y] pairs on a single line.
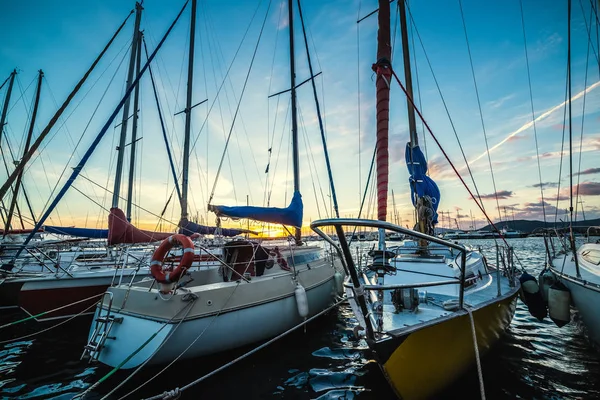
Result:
{"points": [[428, 307], [574, 272], [249, 293]]}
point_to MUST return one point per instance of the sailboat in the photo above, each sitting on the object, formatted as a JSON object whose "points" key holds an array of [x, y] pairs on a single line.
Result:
{"points": [[249, 293], [428, 308], [573, 272]]}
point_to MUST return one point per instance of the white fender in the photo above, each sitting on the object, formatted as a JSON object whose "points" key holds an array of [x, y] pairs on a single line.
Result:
{"points": [[559, 302], [339, 283], [546, 280], [301, 300]]}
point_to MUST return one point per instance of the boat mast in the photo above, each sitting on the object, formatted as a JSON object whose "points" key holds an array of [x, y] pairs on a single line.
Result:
{"points": [[134, 139], [412, 125], [18, 182], [296, 160], [188, 117], [571, 237], [121, 148], [6, 101], [383, 69], [5, 110]]}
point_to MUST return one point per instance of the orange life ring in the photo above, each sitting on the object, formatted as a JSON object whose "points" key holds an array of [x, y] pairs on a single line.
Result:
{"points": [[159, 255]]}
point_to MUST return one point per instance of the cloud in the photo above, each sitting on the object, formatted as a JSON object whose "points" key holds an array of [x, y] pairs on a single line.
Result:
{"points": [[515, 138], [498, 103], [546, 185], [560, 197], [588, 171], [502, 194], [587, 189], [537, 119]]}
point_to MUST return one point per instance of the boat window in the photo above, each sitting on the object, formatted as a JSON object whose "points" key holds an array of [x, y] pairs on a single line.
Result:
{"points": [[591, 256], [304, 258]]}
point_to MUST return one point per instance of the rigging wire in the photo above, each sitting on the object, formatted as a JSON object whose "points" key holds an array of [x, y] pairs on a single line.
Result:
{"points": [[587, 57], [413, 24], [589, 32], [537, 148], [562, 148], [480, 111], [22, 93], [239, 103], [358, 100], [74, 152], [271, 137], [417, 82]]}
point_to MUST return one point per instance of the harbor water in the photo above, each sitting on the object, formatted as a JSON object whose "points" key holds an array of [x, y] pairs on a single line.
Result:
{"points": [[533, 360]]}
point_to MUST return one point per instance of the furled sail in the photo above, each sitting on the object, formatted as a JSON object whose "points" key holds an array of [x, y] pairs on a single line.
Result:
{"points": [[421, 185], [121, 231], [77, 232], [291, 215], [188, 228]]}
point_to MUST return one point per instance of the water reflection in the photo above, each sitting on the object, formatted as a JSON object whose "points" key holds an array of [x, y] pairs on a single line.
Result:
{"points": [[534, 360]]}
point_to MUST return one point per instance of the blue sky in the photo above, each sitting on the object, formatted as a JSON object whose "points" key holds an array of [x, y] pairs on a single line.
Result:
{"points": [[64, 37]]}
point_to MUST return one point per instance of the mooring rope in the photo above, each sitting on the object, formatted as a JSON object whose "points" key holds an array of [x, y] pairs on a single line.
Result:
{"points": [[49, 311], [49, 328], [477, 358], [130, 356], [190, 297], [175, 393], [180, 354]]}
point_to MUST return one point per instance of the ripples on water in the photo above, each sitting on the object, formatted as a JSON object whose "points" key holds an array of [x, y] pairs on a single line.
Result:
{"points": [[534, 360]]}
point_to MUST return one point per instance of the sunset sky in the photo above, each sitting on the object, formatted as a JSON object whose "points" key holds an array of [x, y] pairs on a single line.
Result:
{"points": [[63, 38]]}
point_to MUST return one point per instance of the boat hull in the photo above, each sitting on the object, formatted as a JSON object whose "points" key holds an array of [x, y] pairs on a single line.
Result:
{"points": [[37, 296], [422, 362], [586, 299], [218, 332]]}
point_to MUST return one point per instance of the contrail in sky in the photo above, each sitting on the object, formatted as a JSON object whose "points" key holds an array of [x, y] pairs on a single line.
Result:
{"points": [[539, 118]]}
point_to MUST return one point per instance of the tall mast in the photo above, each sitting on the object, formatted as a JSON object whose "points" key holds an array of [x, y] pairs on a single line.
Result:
{"points": [[6, 101], [296, 159], [314, 86], [383, 68], [412, 126], [121, 148], [188, 117], [5, 109], [25, 150], [134, 127], [571, 237]]}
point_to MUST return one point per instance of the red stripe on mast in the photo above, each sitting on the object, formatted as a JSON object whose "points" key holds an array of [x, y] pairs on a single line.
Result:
{"points": [[384, 74]]}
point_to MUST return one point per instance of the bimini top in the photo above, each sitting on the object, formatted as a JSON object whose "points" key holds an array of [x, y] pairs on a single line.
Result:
{"points": [[291, 215]]}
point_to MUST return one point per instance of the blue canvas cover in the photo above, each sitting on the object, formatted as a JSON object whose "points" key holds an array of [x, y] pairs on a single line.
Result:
{"points": [[78, 232], [291, 215], [188, 228], [419, 181]]}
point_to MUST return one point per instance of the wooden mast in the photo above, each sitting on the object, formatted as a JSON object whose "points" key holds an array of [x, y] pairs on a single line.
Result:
{"points": [[383, 69]]}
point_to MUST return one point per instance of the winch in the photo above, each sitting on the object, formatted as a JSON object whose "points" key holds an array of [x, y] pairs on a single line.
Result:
{"points": [[408, 299]]}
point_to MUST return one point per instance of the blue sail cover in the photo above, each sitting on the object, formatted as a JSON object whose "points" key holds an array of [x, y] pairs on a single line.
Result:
{"points": [[188, 228], [78, 232], [419, 181], [291, 215]]}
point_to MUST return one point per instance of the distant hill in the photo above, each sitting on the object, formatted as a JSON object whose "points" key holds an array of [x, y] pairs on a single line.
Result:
{"points": [[527, 226]]}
